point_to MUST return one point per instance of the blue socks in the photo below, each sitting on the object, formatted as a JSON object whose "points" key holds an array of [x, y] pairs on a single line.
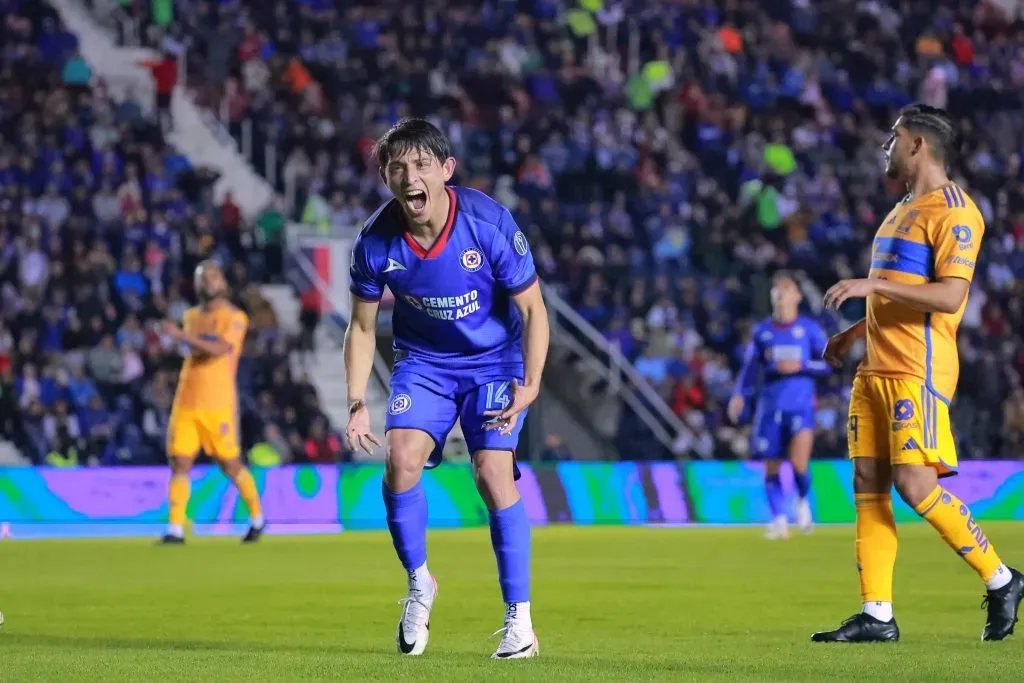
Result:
{"points": [[407, 521], [510, 536], [773, 488], [803, 483]]}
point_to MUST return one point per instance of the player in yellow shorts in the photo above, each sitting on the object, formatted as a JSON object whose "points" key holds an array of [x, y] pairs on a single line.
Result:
{"points": [[205, 411], [922, 263]]}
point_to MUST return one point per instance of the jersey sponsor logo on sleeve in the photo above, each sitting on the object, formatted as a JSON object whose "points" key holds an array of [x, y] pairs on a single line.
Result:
{"points": [[400, 404], [962, 234], [471, 260], [908, 222], [520, 243], [959, 261], [393, 265]]}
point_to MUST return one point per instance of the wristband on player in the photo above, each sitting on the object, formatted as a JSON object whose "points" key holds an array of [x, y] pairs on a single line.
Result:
{"points": [[355, 405]]}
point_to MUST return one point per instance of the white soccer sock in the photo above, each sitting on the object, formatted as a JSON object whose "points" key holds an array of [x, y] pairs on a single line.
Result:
{"points": [[419, 580], [999, 579], [520, 611], [879, 610], [257, 521], [175, 530]]}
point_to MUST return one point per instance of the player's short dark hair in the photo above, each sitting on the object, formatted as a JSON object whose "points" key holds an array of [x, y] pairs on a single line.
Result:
{"points": [[780, 275], [936, 126], [412, 133]]}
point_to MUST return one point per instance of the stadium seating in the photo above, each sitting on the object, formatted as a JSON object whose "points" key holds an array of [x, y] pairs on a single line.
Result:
{"points": [[101, 224], [664, 162]]}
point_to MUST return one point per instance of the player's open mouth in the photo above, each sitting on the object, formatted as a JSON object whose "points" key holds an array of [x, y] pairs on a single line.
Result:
{"points": [[416, 199]]}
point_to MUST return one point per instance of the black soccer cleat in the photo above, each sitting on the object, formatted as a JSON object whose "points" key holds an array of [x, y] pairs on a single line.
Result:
{"points": [[171, 539], [254, 534], [1002, 606], [861, 628]]}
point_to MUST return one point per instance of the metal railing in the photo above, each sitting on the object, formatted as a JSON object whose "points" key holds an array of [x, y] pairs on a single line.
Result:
{"points": [[569, 329]]}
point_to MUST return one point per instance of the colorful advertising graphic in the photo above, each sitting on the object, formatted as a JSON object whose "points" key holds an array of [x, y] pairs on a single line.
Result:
{"points": [[318, 499]]}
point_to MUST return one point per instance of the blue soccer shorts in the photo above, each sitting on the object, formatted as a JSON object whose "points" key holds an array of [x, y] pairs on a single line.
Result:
{"points": [[774, 429], [429, 397]]}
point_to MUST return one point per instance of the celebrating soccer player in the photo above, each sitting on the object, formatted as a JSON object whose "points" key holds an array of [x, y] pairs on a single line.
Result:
{"points": [[471, 338], [784, 352], [922, 262], [205, 411]]}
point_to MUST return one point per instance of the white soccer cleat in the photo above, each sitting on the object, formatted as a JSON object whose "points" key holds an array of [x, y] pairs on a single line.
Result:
{"points": [[778, 529], [414, 626], [518, 641], [804, 520]]}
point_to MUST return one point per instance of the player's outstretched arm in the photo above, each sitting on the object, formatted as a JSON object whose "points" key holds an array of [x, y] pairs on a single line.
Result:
{"points": [[944, 296], [536, 337], [360, 348], [748, 373]]}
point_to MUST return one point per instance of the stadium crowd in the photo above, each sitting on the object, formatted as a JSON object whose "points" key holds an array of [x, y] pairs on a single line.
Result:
{"points": [[665, 158], [101, 225]]}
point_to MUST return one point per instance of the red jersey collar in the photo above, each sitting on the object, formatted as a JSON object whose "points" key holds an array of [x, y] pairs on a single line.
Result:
{"points": [[442, 240]]}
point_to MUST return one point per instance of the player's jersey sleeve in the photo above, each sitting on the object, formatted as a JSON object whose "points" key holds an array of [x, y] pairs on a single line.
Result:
{"points": [[815, 366], [232, 327], [750, 369], [365, 279], [956, 240], [511, 258]]}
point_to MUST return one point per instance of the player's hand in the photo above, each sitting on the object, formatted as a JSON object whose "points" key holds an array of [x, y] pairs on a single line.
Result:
{"points": [[358, 431], [505, 420], [838, 346], [171, 329], [735, 409], [858, 288], [788, 367]]}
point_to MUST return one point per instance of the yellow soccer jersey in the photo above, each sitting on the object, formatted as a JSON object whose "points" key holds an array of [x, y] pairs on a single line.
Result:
{"points": [[934, 236]]}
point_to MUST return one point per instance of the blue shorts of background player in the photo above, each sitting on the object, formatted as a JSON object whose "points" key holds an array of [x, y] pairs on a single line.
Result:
{"points": [[772, 441], [429, 397], [774, 429]]}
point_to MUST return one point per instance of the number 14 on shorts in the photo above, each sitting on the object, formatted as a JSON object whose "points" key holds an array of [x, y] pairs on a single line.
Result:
{"points": [[499, 396]]}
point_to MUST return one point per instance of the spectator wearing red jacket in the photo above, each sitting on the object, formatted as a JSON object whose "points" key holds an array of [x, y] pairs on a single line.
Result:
{"points": [[165, 75]]}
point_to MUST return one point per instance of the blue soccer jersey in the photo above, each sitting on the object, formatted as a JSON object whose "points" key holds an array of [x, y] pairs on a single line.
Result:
{"points": [[785, 403], [458, 332]]}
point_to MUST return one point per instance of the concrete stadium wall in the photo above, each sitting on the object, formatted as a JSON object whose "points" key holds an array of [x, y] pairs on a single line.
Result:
{"points": [[59, 503]]}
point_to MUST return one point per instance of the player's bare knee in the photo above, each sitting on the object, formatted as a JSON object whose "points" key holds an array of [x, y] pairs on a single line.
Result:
{"points": [[403, 462], [495, 480], [871, 476], [914, 482], [231, 466], [180, 466], [772, 467]]}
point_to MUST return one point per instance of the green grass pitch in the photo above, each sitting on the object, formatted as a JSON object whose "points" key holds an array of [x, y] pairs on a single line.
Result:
{"points": [[609, 604]]}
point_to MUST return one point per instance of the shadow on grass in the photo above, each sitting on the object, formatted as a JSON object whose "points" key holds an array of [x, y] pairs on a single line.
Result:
{"points": [[180, 645]]}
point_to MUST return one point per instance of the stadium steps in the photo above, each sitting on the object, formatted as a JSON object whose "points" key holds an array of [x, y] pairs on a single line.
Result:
{"points": [[10, 456], [326, 366], [286, 306]]}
